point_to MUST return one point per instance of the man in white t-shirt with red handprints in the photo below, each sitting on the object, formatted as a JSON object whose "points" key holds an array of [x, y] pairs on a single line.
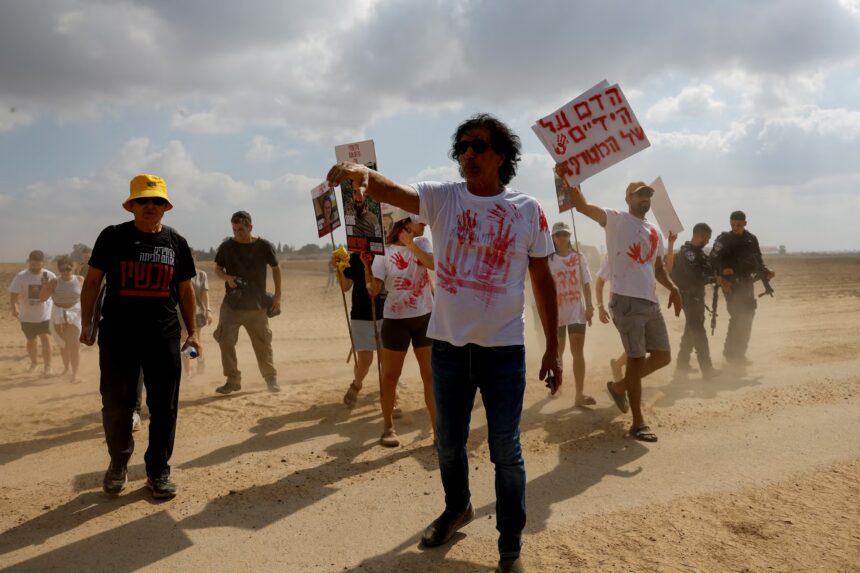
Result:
{"points": [[486, 238], [634, 248]]}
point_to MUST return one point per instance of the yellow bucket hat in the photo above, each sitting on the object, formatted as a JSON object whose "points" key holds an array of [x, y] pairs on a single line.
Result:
{"points": [[147, 185]]}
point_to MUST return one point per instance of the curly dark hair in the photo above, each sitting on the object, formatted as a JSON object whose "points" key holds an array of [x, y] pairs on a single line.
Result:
{"points": [[504, 141]]}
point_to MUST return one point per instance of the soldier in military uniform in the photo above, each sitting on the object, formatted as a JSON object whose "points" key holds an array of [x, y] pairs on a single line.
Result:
{"points": [[737, 262], [691, 272]]}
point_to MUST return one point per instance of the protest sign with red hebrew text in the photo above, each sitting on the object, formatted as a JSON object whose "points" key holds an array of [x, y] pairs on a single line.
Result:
{"points": [[592, 132]]}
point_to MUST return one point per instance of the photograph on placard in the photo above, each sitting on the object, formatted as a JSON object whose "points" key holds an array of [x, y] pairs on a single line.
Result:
{"points": [[565, 203], [363, 218], [325, 209]]}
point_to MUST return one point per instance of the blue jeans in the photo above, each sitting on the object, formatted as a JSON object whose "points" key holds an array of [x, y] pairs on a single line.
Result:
{"points": [[500, 373]]}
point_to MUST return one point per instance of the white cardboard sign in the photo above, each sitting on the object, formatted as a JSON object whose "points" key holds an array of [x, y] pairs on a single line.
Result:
{"points": [[664, 211], [591, 132]]}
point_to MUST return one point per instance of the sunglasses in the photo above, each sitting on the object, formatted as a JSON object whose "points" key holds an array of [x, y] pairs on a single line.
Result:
{"points": [[64, 269], [157, 201], [479, 145]]}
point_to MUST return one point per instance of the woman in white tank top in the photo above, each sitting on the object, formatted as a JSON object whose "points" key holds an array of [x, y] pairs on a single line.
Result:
{"points": [[65, 290]]}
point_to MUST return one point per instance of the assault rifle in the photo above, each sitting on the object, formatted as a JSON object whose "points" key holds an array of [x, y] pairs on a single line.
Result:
{"points": [[713, 308], [768, 290]]}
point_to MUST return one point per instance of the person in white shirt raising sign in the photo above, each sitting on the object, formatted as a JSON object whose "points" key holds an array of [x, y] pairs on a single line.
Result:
{"points": [[634, 248]]}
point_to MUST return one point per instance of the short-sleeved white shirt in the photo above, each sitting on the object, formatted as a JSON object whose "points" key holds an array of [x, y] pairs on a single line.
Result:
{"points": [[407, 281], [632, 244], [482, 247], [569, 288], [28, 286]]}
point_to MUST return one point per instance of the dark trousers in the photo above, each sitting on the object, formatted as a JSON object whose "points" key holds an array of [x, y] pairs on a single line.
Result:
{"points": [[695, 337], [500, 374], [741, 304], [122, 358]]}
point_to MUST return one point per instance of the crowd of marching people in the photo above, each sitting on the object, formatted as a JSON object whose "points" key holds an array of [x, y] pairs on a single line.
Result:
{"points": [[142, 299]]}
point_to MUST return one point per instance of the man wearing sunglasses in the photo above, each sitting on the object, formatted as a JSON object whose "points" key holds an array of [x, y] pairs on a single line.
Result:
{"points": [[148, 269], [486, 236]]}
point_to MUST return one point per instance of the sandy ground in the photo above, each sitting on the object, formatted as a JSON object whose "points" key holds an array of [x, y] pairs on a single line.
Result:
{"points": [[755, 471]]}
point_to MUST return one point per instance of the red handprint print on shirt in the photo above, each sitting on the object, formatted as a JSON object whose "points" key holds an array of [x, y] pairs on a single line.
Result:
{"points": [[467, 222], [635, 250], [398, 261]]}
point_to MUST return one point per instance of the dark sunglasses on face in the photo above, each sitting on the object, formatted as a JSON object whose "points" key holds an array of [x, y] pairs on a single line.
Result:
{"points": [[64, 269], [479, 145], [157, 201]]}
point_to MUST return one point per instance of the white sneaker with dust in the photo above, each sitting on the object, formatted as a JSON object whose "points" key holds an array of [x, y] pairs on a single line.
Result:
{"points": [[135, 422]]}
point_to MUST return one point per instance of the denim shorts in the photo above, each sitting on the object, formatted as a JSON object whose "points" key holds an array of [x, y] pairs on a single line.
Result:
{"points": [[363, 336]]}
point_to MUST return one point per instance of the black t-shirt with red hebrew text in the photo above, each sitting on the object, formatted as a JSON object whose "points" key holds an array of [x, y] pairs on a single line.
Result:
{"points": [[143, 272]]}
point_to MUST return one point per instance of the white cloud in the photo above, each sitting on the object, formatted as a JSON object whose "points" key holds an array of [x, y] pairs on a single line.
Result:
{"points": [[76, 208], [713, 140], [692, 102], [210, 122], [261, 149]]}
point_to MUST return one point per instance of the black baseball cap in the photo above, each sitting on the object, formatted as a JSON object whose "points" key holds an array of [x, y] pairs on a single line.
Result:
{"points": [[241, 217]]}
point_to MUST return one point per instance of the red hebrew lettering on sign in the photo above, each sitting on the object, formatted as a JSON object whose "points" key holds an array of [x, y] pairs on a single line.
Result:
{"points": [[561, 122], [582, 110], [635, 132], [614, 96], [601, 119], [576, 133], [599, 99], [623, 113]]}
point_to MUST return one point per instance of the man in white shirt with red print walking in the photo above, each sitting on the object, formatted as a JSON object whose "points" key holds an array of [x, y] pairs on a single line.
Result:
{"points": [[634, 249], [485, 237]]}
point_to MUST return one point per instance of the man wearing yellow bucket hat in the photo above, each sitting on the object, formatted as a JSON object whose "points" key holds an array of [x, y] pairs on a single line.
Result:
{"points": [[148, 269]]}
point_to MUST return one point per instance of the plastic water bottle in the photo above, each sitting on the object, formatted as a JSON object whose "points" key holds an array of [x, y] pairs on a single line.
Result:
{"points": [[190, 352]]}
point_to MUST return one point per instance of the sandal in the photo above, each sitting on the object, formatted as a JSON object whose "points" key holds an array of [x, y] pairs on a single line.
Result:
{"points": [[389, 438], [351, 396], [643, 433], [620, 400], [585, 401]]}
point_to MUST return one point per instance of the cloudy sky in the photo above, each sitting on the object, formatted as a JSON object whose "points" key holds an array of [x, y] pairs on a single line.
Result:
{"points": [[238, 105]]}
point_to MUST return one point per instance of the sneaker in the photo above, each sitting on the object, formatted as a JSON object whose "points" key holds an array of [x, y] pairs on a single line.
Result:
{"points": [[135, 422], [396, 413], [47, 371], [162, 487], [389, 438], [115, 479], [510, 566], [272, 385], [228, 387], [445, 526]]}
